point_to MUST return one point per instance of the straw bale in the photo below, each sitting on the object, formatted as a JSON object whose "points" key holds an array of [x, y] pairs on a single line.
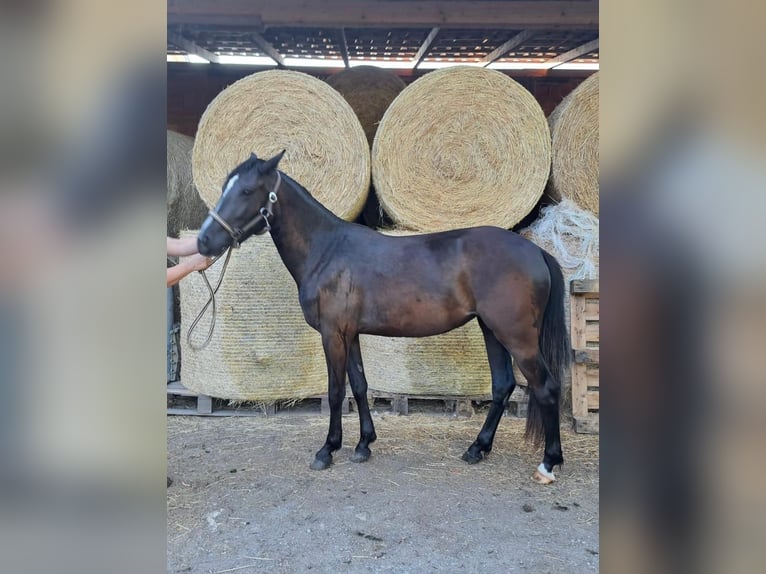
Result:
{"points": [[460, 147], [262, 349], [454, 363], [266, 112], [574, 132], [186, 210], [369, 90]]}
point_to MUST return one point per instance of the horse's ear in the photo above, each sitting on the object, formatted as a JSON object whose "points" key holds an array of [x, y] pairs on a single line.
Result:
{"points": [[252, 156], [272, 163]]}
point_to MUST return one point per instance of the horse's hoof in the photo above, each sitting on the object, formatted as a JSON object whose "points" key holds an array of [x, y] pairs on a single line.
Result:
{"points": [[472, 458], [542, 476], [320, 464], [360, 456]]}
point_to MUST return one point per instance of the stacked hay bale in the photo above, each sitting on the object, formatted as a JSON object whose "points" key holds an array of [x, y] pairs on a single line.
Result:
{"points": [[262, 349], [574, 131], [267, 112], [459, 147], [186, 210], [369, 90]]}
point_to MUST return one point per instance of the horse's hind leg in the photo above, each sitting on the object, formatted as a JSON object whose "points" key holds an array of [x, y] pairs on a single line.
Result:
{"points": [[358, 381], [336, 353], [503, 383], [543, 411]]}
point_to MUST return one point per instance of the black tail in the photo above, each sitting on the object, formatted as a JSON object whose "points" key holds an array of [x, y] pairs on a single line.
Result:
{"points": [[554, 347]]}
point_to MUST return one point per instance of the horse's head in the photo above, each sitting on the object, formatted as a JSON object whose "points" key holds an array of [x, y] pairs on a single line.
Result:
{"points": [[249, 195]]}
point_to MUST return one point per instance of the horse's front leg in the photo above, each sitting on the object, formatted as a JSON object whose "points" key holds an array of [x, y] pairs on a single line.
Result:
{"points": [[336, 354], [358, 382]]}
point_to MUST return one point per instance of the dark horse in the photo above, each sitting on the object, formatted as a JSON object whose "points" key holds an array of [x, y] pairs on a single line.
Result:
{"points": [[352, 280]]}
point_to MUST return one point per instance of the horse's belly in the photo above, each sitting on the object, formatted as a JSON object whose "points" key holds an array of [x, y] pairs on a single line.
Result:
{"points": [[413, 319]]}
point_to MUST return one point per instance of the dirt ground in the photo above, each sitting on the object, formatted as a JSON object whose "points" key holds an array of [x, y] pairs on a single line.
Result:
{"points": [[244, 500]]}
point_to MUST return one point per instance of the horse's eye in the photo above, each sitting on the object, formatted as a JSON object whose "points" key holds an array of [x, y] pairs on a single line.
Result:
{"points": [[246, 191]]}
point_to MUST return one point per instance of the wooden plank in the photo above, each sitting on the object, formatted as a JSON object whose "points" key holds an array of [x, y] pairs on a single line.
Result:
{"points": [[399, 405], [586, 425], [591, 333], [586, 356], [267, 48], [592, 377], [506, 47], [593, 400], [387, 13], [577, 322], [192, 48], [344, 47], [584, 286], [579, 391], [177, 389], [204, 404], [591, 308], [423, 50], [573, 54]]}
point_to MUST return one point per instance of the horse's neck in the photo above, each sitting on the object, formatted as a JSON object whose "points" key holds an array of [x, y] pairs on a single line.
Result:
{"points": [[300, 226]]}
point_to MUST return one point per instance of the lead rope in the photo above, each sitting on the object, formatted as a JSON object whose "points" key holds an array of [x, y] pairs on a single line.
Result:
{"points": [[210, 301]]}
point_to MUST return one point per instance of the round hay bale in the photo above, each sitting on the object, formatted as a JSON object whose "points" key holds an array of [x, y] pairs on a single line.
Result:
{"points": [[574, 132], [369, 90], [262, 349], [269, 111], [186, 210], [451, 364], [570, 234], [460, 147]]}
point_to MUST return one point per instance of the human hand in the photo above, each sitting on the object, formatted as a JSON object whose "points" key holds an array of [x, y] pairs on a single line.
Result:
{"points": [[199, 262]]}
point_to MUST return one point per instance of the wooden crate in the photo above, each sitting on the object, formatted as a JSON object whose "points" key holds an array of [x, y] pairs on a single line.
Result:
{"points": [[584, 301]]}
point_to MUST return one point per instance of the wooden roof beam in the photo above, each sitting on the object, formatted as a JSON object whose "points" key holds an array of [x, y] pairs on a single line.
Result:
{"points": [[192, 47], [267, 48], [344, 47], [573, 54], [506, 47], [387, 13], [423, 50]]}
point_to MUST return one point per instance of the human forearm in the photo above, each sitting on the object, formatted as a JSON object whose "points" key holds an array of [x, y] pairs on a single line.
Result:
{"points": [[182, 247], [196, 262]]}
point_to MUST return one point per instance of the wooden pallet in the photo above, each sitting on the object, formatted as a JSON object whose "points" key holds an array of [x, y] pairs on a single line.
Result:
{"points": [[401, 404], [398, 403], [584, 301], [208, 406]]}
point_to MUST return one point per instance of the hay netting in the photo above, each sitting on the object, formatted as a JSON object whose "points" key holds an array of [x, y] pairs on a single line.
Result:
{"points": [[266, 112], [460, 147], [570, 234], [574, 132], [454, 363], [262, 349], [186, 210], [369, 90]]}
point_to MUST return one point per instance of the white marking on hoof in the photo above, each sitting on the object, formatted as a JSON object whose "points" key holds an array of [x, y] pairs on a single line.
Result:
{"points": [[542, 476]]}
